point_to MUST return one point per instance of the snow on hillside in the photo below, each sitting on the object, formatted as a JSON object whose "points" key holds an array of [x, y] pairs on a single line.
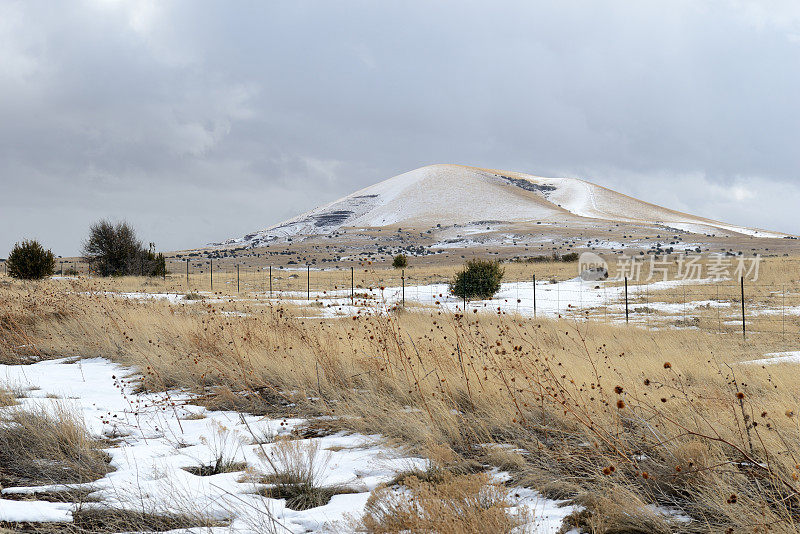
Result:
{"points": [[454, 194]]}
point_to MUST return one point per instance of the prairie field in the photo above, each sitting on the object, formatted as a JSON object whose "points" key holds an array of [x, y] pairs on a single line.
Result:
{"points": [[637, 428]]}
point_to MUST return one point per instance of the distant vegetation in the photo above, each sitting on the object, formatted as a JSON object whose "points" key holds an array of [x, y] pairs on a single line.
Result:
{"points": [[114, 250], [479, 279], [566, 258], [30, 261]]}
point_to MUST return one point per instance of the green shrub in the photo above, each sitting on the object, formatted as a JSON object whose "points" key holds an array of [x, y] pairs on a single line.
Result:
{"points": [[572, 256], [30, 261], [400, 261], [479, 279]]}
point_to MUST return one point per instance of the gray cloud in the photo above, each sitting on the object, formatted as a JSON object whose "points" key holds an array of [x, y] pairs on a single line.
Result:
{"points": [[199, 121]]}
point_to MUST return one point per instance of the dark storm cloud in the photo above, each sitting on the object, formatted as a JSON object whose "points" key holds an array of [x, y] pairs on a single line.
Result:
{"points": [[201, 121]]}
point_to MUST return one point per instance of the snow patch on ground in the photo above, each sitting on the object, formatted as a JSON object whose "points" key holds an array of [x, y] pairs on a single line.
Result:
{"points": [[162, 434], [776, 358]]}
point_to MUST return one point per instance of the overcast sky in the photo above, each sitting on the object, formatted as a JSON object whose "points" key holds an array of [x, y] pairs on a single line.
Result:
{"points": [[199, 121]]}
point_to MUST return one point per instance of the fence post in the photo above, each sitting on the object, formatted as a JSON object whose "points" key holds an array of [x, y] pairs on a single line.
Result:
{"points": [[741, 279], [352, 284], [626, 300], [187, 273], [534, 294], [270, 281], [237, 278], [403, 280], [211, 272], [308, 282]]}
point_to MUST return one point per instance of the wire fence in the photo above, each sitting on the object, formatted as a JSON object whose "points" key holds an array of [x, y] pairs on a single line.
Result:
{"points": [[722, 306]]}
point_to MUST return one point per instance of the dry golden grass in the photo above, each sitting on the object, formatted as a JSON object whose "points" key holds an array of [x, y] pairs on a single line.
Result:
{"points": [[109, 521], [454, 504], [7, 397], [48, 447], [592, 410]]}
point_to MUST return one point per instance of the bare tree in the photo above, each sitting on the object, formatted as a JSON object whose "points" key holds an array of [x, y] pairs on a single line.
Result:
{"points": [[114, 249]]}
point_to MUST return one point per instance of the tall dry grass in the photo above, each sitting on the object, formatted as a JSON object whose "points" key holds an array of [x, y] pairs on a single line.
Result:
{"points": [[40, 446], [584, 410]]}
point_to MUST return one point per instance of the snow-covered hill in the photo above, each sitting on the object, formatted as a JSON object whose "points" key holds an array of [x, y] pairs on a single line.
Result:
{"points": [[459, 195]]}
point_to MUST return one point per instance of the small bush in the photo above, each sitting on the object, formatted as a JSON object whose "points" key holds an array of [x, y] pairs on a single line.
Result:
{"points": [[479, 279], [400, 261], [30, 261], [568, 258]]}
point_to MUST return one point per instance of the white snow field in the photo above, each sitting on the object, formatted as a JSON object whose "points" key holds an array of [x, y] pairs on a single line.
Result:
{"points": [[457, 195], [161, 434]]}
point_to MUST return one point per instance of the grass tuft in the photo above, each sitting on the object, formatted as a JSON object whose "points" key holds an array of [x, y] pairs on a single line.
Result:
{"points": [[450, 504]]}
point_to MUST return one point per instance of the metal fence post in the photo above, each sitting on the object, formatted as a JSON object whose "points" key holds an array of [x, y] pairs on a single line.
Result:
{"points": [[403, 280], [237, 278], [743, 324], [270, 281], [534, 295], [352, 283], [626, 300], [308, 282], [211, 272], [187, 273]]}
